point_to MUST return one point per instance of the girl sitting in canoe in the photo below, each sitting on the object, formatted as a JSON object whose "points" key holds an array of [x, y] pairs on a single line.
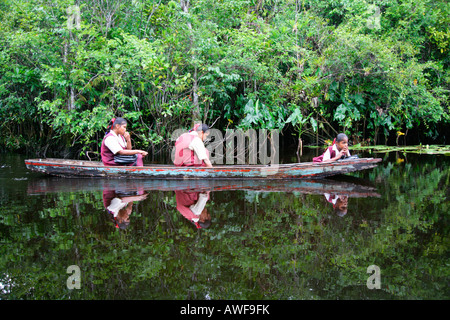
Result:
{"points": [[338, 150], [190, 149], [116, 146]]}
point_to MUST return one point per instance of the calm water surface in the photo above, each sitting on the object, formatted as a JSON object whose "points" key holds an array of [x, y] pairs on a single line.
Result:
{"points": [[294, 240]]}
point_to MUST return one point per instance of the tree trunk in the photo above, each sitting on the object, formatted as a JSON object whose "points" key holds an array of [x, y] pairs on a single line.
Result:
{"points": [[70, 89], [299, 148], [185, 6], [196, 110]]}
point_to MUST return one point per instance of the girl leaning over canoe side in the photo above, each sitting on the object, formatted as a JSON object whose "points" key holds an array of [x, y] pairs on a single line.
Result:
{"points": [[338, 150], [118, 142]]}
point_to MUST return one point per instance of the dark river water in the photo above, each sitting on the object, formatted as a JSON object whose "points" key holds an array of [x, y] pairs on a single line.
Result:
{"points": [[378, 234]]}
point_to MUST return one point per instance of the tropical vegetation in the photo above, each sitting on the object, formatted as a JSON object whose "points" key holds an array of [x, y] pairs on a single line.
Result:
{"points": [[374, 69]]}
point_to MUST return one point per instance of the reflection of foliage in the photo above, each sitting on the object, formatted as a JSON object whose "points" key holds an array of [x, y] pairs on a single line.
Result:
{"points": [[260, 246]]}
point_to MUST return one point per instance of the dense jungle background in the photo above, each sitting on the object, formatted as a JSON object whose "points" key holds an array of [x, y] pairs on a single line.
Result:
{"points": [[377, 70]]}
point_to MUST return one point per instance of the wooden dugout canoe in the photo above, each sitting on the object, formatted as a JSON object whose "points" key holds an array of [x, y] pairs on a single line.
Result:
{"points": [[305, 170]]}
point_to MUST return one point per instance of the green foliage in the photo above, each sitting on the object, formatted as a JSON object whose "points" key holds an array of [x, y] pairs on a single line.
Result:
{"points": [[260, 116], [366, 68]]}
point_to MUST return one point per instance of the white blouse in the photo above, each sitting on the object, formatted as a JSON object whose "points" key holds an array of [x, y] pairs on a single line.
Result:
{"points": [[115, 142], [198, 146], [327, 154]]}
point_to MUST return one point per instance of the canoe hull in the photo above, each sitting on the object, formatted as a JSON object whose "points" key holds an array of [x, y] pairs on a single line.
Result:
{"points": [[307, 170]]}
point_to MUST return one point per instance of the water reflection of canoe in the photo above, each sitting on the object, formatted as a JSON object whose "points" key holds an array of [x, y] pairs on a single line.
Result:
{"points": [[306, 170], [353, 188]]}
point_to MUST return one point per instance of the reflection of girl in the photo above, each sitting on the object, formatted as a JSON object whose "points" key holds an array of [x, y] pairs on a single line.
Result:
{"points": [[192, 206], [120, 207], [340, 203]]}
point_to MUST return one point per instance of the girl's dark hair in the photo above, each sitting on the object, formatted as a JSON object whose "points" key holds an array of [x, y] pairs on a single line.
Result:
{"points": [[114, 121], [119, 121], [203, 127], [206, 224], [340, 137]]}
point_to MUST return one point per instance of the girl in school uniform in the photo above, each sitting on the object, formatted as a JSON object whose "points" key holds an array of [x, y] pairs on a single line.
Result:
{"points": [[117, 142], [338, 150]]}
